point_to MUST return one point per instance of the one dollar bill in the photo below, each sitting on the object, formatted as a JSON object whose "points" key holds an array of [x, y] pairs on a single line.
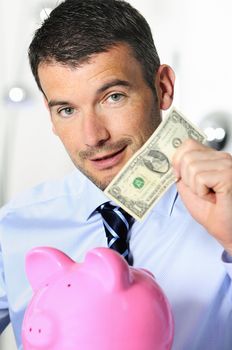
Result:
{"points": [[148, 174]]}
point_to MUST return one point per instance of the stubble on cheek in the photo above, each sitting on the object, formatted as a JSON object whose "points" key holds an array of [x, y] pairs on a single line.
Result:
{"points": [[102, 180], [83, 158], [91, 152]]}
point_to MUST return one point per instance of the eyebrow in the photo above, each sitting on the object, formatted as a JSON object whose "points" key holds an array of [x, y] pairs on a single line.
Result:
{"points": [[54, 103], [112, 83]]}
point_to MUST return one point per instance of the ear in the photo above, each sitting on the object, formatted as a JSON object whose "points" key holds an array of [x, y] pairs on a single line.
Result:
{"points": [[109, 267], [164, 83], [43, 262], [47, 107]]}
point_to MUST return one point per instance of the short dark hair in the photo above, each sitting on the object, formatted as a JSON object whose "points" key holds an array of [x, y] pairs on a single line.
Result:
{"points": [[77, 29]]}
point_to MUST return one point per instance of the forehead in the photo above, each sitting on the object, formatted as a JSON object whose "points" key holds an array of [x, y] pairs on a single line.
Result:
{"points": [[118, 61]]}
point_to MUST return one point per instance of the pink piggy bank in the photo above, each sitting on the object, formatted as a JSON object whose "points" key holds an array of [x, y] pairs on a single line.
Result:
{"points": [[100, 304]]}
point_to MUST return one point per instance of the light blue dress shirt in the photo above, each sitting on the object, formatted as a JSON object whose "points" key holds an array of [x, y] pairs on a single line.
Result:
{"points": [[186, 261]]}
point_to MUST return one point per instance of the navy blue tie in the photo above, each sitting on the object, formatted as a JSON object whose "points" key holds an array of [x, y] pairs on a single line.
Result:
{"points": [[117, 224]]}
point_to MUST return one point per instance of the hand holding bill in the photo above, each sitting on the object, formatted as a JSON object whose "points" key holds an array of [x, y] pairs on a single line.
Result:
{"points": [[205, 186]]}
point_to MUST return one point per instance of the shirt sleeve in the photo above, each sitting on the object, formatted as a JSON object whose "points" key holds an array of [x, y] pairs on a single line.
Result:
{"points": [[4, 314], [227, 260]]}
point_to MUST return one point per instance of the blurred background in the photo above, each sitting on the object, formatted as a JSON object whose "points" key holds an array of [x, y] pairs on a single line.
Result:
{"points": [[192, 36]]}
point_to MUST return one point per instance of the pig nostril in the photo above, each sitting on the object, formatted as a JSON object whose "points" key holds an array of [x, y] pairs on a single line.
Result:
{"points": [[30, 329], [69, 285], [39, 330]]}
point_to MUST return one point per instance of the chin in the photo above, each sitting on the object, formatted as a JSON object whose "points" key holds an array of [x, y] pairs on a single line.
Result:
{"points": [[101, 183]]}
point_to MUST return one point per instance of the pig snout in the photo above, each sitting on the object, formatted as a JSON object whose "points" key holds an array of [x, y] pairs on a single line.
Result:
{"points": [[40, 331]]}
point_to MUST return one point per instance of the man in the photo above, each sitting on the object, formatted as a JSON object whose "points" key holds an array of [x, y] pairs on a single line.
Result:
{"points": [[97, 67]]}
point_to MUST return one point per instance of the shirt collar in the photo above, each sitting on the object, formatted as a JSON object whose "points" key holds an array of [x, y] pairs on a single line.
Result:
{"points": [[92, 197]]}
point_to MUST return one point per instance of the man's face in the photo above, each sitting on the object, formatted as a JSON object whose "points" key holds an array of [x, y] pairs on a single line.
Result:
{"points": [[103, 111]]}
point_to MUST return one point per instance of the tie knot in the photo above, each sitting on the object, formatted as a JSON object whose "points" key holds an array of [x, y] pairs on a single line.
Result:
{"points": [[113, 212]]}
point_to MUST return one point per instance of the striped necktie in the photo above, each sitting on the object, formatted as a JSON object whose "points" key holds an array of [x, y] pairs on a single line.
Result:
{"points": [[117, 224]]}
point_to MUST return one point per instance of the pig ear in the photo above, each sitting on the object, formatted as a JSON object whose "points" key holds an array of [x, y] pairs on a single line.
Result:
{"points": [[43, 262], [109, 267]]}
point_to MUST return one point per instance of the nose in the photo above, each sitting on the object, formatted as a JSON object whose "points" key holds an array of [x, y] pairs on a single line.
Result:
{"points": [[95, 130], [38, 332]]}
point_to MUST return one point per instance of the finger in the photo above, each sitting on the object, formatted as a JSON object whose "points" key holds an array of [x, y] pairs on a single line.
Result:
{"points": [[190, 170], [208, 182], [189, 145], [189, 195], [192, 152], [189, 150]]}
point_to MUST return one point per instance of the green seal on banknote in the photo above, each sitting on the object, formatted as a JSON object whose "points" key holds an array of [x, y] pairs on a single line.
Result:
{"points": [[148, 174], [138, 182]]}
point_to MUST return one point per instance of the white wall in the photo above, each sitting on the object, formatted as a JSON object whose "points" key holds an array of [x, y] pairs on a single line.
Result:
{"points": [[193, 36]]}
